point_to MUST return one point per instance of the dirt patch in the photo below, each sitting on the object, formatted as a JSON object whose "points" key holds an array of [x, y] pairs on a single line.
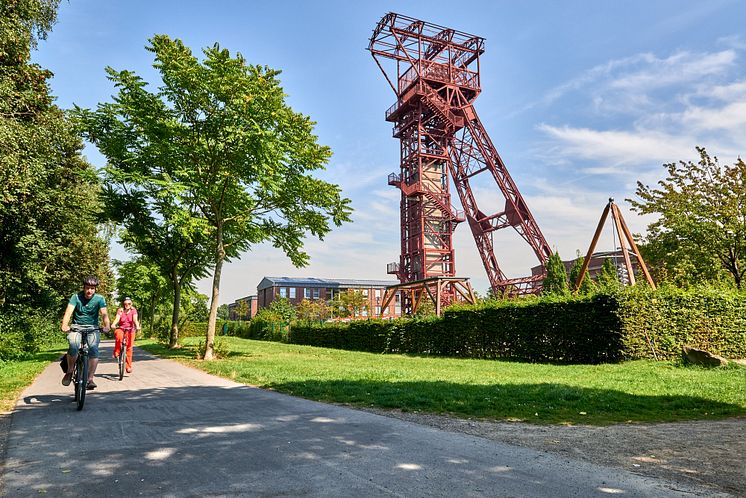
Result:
{"points": [[706, 454]]}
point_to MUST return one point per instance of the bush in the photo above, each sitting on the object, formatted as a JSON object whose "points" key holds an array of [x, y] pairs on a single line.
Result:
{"points": [[625, 324], [23, 333], [659, 323]]}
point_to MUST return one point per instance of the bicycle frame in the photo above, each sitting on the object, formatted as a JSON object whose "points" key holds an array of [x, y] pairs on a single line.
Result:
{"points": [[126, 340], [80, 369]]}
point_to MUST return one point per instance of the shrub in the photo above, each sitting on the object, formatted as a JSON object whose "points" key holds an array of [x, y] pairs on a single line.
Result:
{"points": [[623, 324], [24, 332]]}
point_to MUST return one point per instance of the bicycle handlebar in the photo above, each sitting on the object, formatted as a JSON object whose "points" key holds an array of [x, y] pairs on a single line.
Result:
{"points": [[84, 328]]}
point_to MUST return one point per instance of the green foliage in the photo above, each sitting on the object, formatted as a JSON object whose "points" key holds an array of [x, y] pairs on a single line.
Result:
{"points": [[659, 323], [283, 308], [313, 311], [607, 279], [229, 157], [555, 283], [587, 286], [242, 310], [49, 209], [223, 313], [24, 332], [629, 323], [49, 206], [700, 231], [349, 304]]}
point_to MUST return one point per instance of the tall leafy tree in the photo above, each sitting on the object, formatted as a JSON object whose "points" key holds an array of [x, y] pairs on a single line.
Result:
{"points": [[555, 283], [587, 286], [142, 280], [240, 158], [49, 207], [700, 233], [608, 278]]}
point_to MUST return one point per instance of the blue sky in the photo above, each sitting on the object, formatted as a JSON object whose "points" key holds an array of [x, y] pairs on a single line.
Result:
{"points": [[581, 99]]}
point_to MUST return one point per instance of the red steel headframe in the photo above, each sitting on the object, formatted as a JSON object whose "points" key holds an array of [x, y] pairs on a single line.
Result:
{"points": [[436, 81]]}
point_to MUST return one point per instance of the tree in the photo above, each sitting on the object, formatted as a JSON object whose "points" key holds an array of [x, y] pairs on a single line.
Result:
{"points": [[587, 286], [555, 283], [312, 310], [143, 194], [608, 278], [242, 309], [700, 233], [223, 313], [49, 206], [353, 303], [283, 308], [240, 155], [142, 280]]}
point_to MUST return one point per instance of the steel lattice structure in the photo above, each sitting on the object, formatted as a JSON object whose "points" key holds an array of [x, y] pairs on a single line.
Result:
{"points": [[436, 80]]}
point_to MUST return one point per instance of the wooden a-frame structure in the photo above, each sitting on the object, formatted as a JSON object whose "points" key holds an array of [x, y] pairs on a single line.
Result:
{"points": [[623, 233]]}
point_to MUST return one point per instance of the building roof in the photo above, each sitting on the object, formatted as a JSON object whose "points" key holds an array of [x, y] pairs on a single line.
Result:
{"points": [[334, 283]]}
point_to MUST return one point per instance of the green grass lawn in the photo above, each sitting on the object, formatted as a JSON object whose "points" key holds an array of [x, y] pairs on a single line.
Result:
{"points": [[637, 391], [15, 376]]}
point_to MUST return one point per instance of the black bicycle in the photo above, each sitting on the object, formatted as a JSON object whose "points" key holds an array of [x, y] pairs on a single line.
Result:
{"points": [[126, 338], [80, 370]]}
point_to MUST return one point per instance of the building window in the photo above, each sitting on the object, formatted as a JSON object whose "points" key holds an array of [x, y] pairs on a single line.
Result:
{"points": [[397, 298], [292, 293], [307, 292], [365, 292], [316, 293], [378, 292], [283, 292], [378, 310]]}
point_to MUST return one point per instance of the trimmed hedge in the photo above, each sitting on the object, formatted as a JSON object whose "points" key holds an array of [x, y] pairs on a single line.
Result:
{"points": [[254, 329], [634, 323], [665, 320]]}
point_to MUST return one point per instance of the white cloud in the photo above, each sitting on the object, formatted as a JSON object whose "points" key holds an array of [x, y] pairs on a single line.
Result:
{"points": [[616, 148]]}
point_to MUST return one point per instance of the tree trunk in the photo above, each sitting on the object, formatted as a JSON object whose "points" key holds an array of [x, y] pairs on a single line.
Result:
{"points": [[173, 341], [219, 258]]}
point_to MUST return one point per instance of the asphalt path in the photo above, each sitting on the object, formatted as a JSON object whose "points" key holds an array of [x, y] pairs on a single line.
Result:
{"points": [[171, 430]]}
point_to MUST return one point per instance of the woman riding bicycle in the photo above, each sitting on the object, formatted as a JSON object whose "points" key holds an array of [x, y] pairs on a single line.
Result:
{"points": [[126, 321], [84, 308]]}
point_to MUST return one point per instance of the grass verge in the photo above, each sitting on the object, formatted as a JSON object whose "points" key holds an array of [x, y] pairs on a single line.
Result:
{"points": [[16, 375], [638, 391]]}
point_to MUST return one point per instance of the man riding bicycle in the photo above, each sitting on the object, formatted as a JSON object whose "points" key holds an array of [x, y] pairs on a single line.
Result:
{"points": [[125, 321], [84, 308]]}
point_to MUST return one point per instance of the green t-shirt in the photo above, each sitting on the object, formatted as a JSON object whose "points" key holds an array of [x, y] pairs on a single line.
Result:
{"points": [[86, 311]]}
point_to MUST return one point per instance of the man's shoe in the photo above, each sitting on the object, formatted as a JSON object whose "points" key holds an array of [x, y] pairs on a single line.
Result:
{"points": [[129, 370], [91, 385], [67, 379]]}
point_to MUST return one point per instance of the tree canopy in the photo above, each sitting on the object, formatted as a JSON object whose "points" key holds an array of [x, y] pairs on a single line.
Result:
{"points": [[700, 233], [49, 206], [555, 283], [231, 158]]}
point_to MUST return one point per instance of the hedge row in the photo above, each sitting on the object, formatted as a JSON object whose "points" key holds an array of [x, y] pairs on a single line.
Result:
{"points": [[255, 329], [634, 323]]}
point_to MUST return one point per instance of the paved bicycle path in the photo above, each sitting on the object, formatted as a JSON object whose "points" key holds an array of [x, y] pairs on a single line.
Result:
{"points": [[171, 430]]}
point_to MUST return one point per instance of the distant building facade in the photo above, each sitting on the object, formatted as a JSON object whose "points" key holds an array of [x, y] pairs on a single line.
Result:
{"points": [[249, 311], [296, 289]]}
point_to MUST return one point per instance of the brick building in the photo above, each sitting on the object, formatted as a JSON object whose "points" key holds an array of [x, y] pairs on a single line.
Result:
{"points": [[297, 289]]}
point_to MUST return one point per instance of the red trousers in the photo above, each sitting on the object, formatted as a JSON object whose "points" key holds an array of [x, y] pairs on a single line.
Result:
{"points": [[118, 333]]}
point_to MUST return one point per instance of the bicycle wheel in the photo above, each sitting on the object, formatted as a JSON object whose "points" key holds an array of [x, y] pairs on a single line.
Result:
{"points": [[122, 359], [83, 384], [76, 384]]}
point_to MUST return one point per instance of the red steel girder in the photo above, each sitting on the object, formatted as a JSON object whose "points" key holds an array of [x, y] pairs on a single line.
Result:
{"points": [[435, 76]]}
